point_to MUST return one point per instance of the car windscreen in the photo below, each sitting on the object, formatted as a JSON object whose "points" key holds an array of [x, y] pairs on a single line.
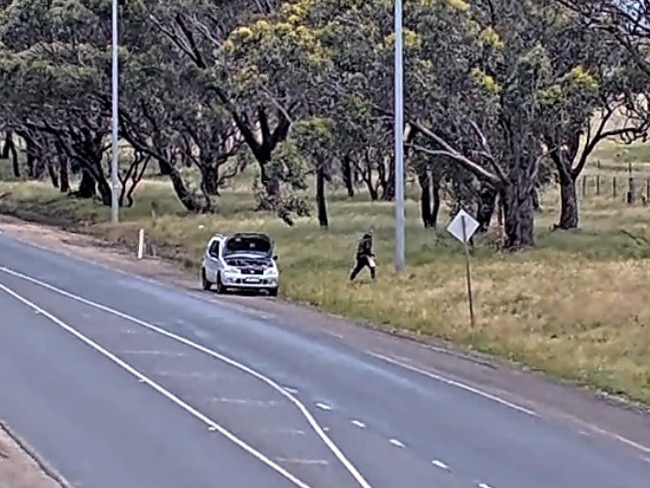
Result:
{"points": [[248, 244]]}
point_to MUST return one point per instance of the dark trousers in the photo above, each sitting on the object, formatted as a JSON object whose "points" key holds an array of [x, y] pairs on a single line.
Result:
{"points": [[362, 262]]}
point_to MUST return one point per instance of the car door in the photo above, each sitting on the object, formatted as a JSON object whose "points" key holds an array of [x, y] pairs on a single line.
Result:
{"points": [[212, 260]]}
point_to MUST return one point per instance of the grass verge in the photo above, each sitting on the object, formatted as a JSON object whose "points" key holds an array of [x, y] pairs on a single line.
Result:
{"points": [[577, 307]]}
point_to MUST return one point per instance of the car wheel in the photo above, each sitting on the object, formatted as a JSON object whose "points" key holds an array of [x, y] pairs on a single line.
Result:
{"points": [[205, 283], [220, 288], [273, 292]]}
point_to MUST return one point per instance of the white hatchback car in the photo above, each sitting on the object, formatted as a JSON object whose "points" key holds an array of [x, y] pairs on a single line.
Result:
{"points": [[243, 261]]}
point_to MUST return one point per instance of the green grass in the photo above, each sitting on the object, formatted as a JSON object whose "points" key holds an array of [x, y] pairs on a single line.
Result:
{"points": [[577, 307]]}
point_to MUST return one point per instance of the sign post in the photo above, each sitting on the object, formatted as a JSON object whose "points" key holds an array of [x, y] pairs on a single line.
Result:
{"points": [[463, 226]]}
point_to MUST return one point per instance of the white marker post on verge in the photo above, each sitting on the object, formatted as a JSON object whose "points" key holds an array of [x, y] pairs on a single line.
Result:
{"points": [[141, 244], [463, 226]]}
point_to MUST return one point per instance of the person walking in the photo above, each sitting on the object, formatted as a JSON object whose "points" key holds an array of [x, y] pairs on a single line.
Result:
{"points": [[364, 257]]}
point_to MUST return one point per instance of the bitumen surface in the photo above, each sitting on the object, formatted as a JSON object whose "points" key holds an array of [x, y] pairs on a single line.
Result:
{"points": [[119, 381]]}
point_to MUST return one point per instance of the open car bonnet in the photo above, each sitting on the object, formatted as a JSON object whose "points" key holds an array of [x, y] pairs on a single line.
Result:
{"points": [[248, 250]]}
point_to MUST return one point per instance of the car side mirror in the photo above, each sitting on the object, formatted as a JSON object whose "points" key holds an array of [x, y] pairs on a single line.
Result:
{"points": [[275, 257]]}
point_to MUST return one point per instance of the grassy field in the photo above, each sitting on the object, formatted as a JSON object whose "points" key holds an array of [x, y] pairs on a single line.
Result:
{"points": [[577, 307]]}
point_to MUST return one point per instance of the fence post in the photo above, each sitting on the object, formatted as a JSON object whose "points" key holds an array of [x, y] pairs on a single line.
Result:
{"points": [[597, 185], [614, 189], [584, 185]]}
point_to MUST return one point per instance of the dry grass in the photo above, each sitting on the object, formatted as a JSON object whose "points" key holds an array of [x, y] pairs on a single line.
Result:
{"points": [[578, 306]]}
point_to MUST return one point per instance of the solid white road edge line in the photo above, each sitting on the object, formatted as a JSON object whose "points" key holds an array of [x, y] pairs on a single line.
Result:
{"points": [[268, 381], [166, 393], [456, 384]]}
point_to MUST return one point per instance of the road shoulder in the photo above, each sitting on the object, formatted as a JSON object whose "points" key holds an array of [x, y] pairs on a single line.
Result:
{"points": [[18, 468], [593, 413]]}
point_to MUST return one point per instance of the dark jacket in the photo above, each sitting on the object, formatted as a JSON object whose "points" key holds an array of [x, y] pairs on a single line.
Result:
{"points": [[364, 248]]}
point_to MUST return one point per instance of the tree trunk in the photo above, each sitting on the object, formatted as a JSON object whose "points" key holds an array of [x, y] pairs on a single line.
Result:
{"points": [[568, 204], [346, 168], [9, 149], [64, 180], [486, 206], [184, 196], [271, 183], [87, 185], [435, 209], [537, 205], [321, 200], [426, 212], [54, 178], [164, 168], [105, 191], [519, 218], [388, 194], [210, 177]]}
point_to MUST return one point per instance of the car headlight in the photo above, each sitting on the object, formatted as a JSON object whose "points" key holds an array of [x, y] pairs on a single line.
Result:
{"points": [[271, 272], [230, 270]]}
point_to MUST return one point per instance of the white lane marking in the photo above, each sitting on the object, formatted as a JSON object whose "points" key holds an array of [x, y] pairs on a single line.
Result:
{"points": [[143, 352], [483, 485], [320, 431], [243, 401], [359, 424], [323, 406], [456, 384], [193, 374], [322, 462], [285, 431], [397, 443], [333, 334], [617, 437], [128, 331], [291, 390], [439, 464], [166, 393]]}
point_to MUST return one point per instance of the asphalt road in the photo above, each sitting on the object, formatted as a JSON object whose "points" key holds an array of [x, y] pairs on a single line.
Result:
{"points": [[122, 382]]}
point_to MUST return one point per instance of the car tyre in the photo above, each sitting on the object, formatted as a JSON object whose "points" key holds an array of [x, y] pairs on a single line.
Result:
{"points": [[273, 292], [220, 289], [205, 283]]}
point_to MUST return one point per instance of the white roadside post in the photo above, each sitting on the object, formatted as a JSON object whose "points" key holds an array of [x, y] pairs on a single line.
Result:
{"points": [[141, 244], [463, 226], [400, 224], [115, 181]]}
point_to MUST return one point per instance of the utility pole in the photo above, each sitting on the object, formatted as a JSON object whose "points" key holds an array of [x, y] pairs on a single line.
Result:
{"points": [[400, 224], [115, 181]]}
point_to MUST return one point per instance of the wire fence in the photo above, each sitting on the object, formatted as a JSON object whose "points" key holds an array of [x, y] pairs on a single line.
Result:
{"points": [[630, 189]]}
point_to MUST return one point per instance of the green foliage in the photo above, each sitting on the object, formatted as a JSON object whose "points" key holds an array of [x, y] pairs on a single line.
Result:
{"points": [[306, 85]]}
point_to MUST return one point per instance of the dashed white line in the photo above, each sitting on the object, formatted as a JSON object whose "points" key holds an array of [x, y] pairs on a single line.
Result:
{"points": [[244, 401], [285, 431], [359, 424], [145, 352], [316, 427], [483, 485], [166, 393], [323, 406], [456, 384], [439, 464], [397, 443], [291, 390], [321, 462]]}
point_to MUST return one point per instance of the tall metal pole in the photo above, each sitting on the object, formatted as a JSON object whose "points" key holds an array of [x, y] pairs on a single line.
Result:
{"points": [[115, 181], [400, 224]]}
